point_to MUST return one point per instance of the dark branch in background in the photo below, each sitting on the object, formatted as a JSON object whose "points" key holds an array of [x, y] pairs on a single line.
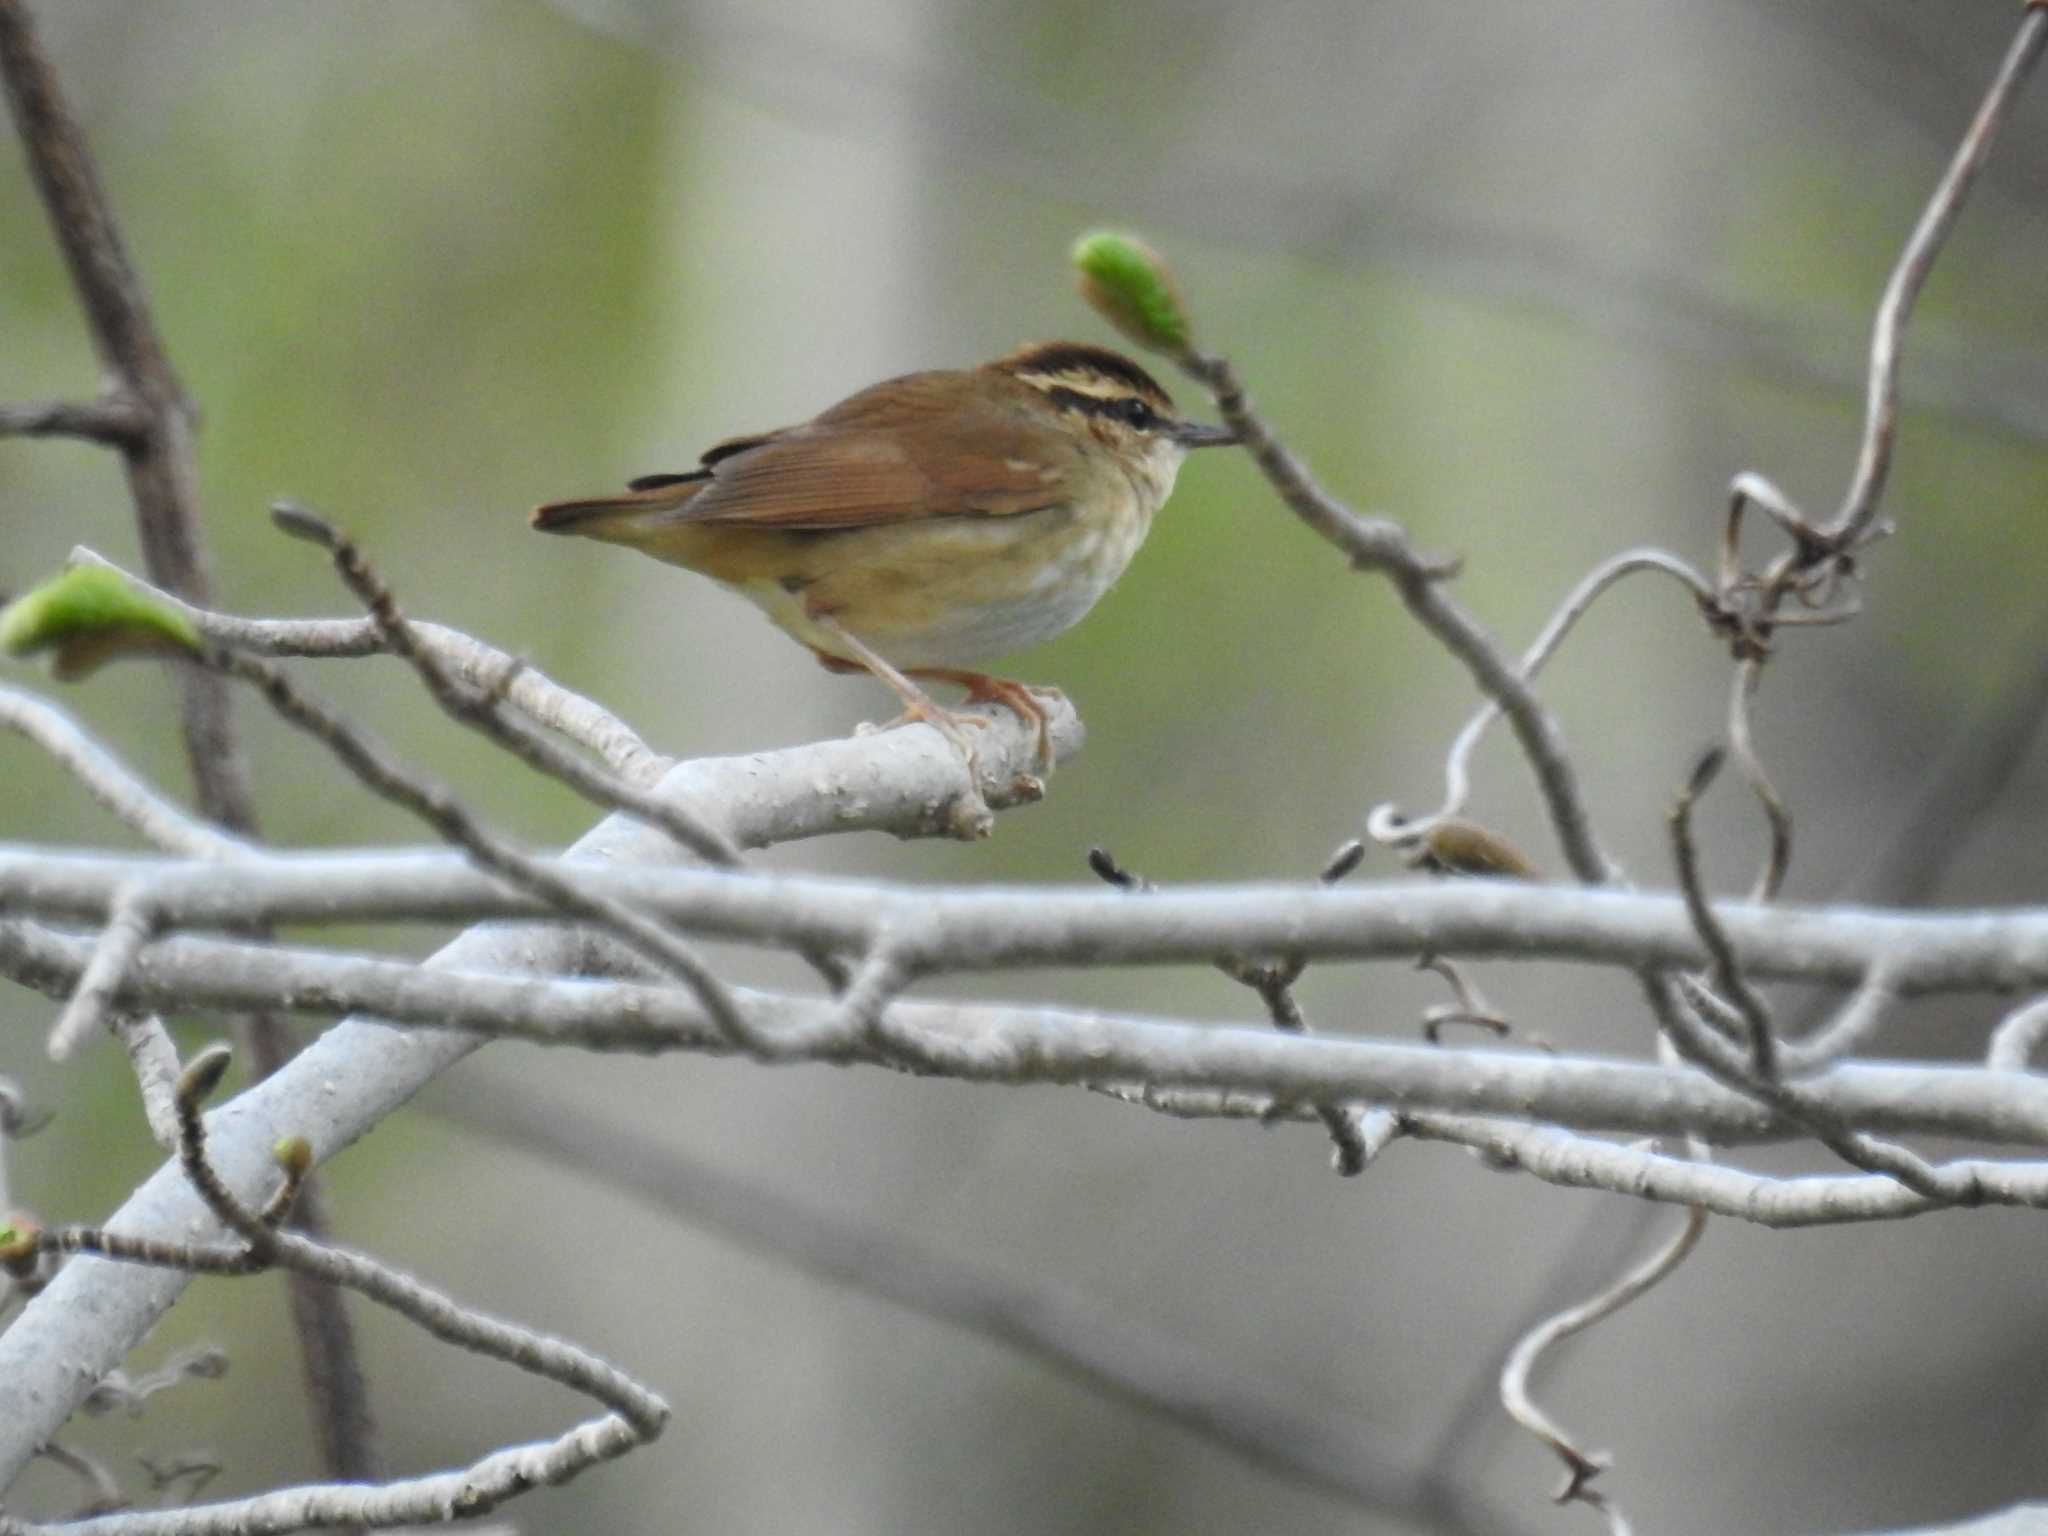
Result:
{"points": [[1111, 1354], [111, 421], [158, 456], [145, 413]]}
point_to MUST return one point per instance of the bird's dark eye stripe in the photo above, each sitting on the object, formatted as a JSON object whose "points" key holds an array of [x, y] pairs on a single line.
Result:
{"points": [[1126, 408]]}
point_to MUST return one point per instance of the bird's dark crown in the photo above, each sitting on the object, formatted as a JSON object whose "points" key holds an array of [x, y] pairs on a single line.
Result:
{"points": [[1087, 377]]}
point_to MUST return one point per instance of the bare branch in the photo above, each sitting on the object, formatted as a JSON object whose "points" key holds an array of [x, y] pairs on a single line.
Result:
{"points": [[530, 691], [1024, 1043], [113, 421], [1880, 428], [2015, 1041], [1578, 602], [476, 706], [478, 709], [83, 1323], [1771, 879], [1378, 544], [1356, 1135], [130, 924], [636, 1414], [448, 816], [977, 929], [137, 805], [1724, 967], [1582, 1468]]}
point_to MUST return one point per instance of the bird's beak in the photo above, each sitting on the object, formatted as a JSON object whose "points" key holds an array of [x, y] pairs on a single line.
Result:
{"points": [[1199, 434]]}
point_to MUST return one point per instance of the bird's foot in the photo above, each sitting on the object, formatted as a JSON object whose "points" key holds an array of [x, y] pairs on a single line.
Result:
{"points": [[1021, 699]]}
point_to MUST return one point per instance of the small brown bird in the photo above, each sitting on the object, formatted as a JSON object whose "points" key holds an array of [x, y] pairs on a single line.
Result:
{"points": [[930, 520]]}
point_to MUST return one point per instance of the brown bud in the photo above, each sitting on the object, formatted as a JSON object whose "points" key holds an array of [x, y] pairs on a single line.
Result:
{"points": [[1455, 846]]}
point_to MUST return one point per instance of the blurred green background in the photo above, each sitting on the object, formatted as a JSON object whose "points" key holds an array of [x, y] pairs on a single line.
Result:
{"points": [[1536, 279]]}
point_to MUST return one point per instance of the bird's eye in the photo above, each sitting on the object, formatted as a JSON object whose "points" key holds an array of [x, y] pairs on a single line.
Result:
{"points": [[1137, 413]]}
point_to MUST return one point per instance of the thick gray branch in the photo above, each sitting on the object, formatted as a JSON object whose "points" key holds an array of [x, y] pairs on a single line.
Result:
{"points": [[960, 928], [1018, 1043], [86, 1321]]}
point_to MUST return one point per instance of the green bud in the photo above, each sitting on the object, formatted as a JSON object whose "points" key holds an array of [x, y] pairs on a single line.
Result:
{"points": [[19, 1239], [89, 616], [294, 1154], [1131, 287]]}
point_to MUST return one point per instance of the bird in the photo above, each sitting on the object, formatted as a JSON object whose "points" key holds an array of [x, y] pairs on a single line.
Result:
{"points": [[926, 522]]}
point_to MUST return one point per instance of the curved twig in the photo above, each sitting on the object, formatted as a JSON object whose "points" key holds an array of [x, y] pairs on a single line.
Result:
{"points": [[1581, 1467], [1457, 769]]}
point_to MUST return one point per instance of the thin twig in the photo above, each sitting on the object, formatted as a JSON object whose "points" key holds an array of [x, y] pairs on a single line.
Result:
{"points": [[478, 709], [131, 923], [447, 815], [1577, 603], [1580, 1467], [637, 1415], [1950, 1184], [1357, 1135], [112, 421], [532, 692], [1854, 1025], [1725, 968], [1771, 880], [2018, 1037], [1880, 428], [1381, 545], [134, 803]]}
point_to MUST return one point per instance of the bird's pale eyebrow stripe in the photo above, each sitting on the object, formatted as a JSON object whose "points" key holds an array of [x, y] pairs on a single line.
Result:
{"points": [[1079, 360]]}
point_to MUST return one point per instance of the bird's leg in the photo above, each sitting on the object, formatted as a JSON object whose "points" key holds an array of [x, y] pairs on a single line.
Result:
{"points": [[1019, 698], [917, 704]]}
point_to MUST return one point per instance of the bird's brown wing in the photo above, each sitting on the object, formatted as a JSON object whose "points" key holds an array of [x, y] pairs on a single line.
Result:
{"points": [[705, 460], [898, 451]]}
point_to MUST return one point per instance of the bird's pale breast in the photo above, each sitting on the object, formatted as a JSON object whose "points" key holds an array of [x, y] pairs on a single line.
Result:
{"points": [[947, 591]]}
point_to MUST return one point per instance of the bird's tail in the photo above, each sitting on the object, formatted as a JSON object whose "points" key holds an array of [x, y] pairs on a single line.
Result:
{"points": [[621, 519]]}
